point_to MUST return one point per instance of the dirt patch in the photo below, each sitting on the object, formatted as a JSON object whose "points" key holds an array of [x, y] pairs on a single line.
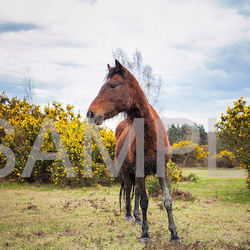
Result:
{"points": [[71, 205], [30, 206]]}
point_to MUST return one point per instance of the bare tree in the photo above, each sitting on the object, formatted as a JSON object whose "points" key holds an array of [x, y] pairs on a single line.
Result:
{"points": [[28, 84], [150, 83]]}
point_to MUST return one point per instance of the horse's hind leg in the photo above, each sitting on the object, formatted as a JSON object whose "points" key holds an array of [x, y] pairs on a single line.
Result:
{"points": [[128, 186], [167, 201], [144, 206], [136, 208]]}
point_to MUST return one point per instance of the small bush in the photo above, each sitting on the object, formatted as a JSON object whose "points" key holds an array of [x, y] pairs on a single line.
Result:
{"points": [[153, 186], [197, 155], [226, 159], [173, 175], [191, 177], [173, 172]]}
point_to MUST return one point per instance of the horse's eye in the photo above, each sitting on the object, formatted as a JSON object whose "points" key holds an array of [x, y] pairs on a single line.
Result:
{"points": [[112, 85]]}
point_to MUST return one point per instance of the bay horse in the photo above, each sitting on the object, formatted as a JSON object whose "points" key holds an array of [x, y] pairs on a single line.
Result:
{"points": [[122, 93]]}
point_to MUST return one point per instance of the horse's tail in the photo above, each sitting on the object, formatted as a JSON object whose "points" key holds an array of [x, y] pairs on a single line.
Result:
{"points": [[122, 189]]}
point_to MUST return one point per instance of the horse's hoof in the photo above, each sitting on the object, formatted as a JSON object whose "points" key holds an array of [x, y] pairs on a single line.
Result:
{"points": [[145, 240], [137, 221], [128, 218], [175, 240]]}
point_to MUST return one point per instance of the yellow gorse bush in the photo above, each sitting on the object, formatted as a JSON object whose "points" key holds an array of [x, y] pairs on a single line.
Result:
{"points": [[234, 130], [200, 151], [227, 157], [27, 118], [173, 172], [189, 153], [226, 154]]}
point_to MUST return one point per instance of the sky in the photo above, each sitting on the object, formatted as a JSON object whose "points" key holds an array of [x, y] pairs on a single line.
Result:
{"points": [[200, 49]]}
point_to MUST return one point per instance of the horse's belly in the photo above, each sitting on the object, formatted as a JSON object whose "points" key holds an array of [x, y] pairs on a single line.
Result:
{"points": [[129, 164]]}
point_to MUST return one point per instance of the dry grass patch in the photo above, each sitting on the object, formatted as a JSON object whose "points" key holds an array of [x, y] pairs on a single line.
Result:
{"points": [[48, 217]]}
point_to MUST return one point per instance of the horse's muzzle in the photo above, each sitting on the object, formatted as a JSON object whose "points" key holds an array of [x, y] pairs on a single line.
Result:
{"points": [[95, 119], [90, 114]]}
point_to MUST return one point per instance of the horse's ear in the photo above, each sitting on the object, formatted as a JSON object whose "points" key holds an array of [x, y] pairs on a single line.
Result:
{"points": [[109, 68], [118, 67]]}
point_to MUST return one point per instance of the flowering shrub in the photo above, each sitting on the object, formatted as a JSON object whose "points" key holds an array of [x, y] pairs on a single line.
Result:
{"points": [[234, 130], [187, 153], [173, 173], [27, 118], [226, 159]]}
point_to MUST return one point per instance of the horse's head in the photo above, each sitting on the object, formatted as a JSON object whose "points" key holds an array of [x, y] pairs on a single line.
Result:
{"points": [[115, 96]]}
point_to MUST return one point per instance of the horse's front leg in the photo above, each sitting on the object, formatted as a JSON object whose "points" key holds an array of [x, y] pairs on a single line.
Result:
{"points": [[136, 208], [167, 201], [127, 187], [144, 206]]}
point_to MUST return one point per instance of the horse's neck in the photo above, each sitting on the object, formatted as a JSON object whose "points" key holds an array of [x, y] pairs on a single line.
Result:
{"points": [[144, 110], [140, 109]]}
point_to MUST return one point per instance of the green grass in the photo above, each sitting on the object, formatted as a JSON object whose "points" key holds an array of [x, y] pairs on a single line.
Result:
{"points": [[215, 172], [50, 217]]}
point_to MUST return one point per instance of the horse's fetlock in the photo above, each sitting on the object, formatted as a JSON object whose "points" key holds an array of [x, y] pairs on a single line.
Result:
{"points": [[144, 227]]}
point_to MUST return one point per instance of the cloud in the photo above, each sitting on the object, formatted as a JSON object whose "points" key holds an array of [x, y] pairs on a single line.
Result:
{"points": [[69, 64], [242, 6], [6, 27], [228, 68], [232, 59], [11, 85]]}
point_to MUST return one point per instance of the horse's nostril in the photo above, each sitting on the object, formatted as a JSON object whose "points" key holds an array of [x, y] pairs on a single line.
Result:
{"points": [[90, 114]]}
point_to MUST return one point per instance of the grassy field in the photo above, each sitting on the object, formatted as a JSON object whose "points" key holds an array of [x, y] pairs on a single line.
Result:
{"points": [[50, 217]]}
